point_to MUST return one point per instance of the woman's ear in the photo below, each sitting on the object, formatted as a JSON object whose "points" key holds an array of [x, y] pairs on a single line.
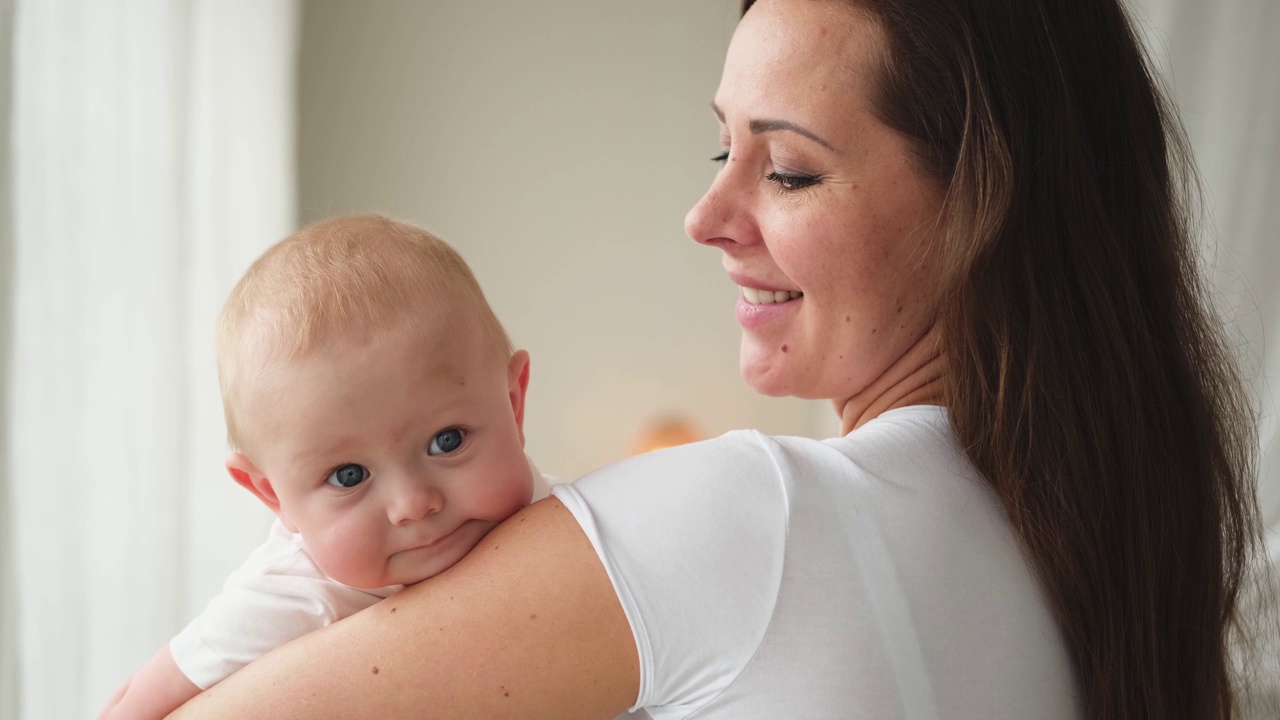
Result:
{"points": [[247, 476], [517, 386]]}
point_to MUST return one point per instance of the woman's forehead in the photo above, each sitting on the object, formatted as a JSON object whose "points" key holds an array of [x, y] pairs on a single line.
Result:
{"points": [[791, 57]]}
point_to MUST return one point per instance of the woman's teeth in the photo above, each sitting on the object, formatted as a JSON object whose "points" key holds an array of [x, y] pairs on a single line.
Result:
{"points": [[765, 297]]}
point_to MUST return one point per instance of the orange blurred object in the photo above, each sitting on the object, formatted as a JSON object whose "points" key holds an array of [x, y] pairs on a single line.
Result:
{"points": [[665, 432]]}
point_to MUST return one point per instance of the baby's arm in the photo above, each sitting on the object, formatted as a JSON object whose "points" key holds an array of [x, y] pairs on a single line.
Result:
{"points": [[275, 596], [156, 690]]}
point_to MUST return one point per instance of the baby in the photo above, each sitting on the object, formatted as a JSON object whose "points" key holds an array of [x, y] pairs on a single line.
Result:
{"points": [[375, 405]]}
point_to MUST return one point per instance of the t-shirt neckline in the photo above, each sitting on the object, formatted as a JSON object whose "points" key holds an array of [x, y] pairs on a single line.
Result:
{"points": [[928, 412]]}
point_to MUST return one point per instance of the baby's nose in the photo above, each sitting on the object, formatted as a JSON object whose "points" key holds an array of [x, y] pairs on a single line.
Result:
{"points": [[414, 500]]}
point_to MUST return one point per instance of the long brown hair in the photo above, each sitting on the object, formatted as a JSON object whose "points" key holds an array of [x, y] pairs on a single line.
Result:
{"points": [[1088, 379]]}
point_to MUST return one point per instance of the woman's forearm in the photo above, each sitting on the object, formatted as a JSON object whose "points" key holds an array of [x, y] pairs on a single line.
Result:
{"points": [[526, 626]]}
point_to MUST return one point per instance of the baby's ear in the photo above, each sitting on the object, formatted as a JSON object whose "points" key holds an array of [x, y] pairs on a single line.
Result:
{"points": [[247, 476], [518, 386]]}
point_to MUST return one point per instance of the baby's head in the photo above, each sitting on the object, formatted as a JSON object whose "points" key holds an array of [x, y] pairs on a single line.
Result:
{"points": [[373, 400]]}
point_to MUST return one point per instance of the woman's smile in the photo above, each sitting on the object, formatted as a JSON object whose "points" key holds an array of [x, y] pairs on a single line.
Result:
{"points": [[756, 296], [758, 307]]}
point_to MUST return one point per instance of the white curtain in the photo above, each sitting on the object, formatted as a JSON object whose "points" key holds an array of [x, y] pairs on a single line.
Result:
{"points": [[1220, 59], [153, 149], [8, 599]]}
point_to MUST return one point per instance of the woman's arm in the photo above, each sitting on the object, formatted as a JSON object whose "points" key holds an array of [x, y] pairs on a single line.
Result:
{"points": [[526, 626]]}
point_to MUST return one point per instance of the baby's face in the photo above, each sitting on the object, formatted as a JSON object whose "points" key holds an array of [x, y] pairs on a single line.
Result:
{"points": [[393, 457]]}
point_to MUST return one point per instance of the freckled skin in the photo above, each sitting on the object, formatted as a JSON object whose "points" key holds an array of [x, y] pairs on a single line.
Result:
{"points": [[855, 241]]}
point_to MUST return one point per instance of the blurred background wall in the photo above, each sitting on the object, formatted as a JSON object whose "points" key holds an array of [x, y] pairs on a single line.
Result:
{"points": [[558, 146], [159, 145]]}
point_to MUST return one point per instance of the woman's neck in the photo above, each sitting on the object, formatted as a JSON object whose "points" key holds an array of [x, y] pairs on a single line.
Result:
{"points": [[915, 378]]}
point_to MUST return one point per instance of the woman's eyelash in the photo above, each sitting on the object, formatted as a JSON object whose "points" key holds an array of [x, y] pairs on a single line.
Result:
{"points": [[789, 181]]}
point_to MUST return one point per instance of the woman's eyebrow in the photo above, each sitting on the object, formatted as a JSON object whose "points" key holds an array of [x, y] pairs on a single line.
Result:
{"points": [[762, 126]]}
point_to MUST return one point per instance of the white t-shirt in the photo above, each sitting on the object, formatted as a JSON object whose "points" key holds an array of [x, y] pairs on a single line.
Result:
{"points": [[277, 595], [869, 576]]}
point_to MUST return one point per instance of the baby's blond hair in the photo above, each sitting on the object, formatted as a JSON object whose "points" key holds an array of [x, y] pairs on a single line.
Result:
{"points": [[361, 273]]}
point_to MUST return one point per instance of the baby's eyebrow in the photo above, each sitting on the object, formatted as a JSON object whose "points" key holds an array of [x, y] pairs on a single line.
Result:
{"points": [[764, 126]]}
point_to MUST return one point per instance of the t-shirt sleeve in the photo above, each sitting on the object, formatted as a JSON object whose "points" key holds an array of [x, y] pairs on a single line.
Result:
{"points": [[693, 540], [276, 596]]}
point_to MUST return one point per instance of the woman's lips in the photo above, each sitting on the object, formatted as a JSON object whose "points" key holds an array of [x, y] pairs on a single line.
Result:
{"points": [[753, 315], [761, 302]]}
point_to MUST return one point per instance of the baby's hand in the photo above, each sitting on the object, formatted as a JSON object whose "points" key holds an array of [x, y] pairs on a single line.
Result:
{"points": [[153, 692]]}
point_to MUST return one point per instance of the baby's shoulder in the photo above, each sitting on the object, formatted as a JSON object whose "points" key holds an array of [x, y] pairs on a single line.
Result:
{"points": [[281, 553]]}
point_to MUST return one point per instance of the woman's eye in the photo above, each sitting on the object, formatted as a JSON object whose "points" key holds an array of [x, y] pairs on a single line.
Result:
{"points": [[348, 476], [722, 157], [788, 181], [446, 441]]}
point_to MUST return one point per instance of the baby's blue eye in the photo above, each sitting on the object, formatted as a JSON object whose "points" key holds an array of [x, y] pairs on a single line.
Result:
{"points": [[348, 476], [446, 441]]}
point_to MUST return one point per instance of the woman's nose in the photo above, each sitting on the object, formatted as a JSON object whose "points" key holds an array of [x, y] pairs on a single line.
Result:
{"points": [[721, 218], [413, 499]]}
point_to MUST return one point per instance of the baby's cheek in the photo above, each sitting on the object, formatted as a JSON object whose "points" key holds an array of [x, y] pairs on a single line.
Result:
{"points": [[349, 557], [508, 499]]}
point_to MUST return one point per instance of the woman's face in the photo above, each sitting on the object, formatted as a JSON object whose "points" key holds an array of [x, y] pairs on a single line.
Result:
{"points": [[824, 220]]}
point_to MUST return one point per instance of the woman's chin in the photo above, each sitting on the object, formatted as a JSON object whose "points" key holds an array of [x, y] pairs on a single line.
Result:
{"points": [[775, 376], [763, 375]]}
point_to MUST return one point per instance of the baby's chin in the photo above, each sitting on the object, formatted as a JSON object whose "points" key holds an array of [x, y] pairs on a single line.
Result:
{"points": [[413, 566], [387, 582]]}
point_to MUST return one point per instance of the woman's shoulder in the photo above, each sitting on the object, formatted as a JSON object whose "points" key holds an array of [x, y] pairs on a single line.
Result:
{"points": [[913, 444], [909, 444], [749, 484], [906, 442], [692, 538], [686, 479]]}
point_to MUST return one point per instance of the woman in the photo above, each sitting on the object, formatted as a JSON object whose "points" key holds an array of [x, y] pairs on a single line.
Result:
{"points": [[962, 222]]}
